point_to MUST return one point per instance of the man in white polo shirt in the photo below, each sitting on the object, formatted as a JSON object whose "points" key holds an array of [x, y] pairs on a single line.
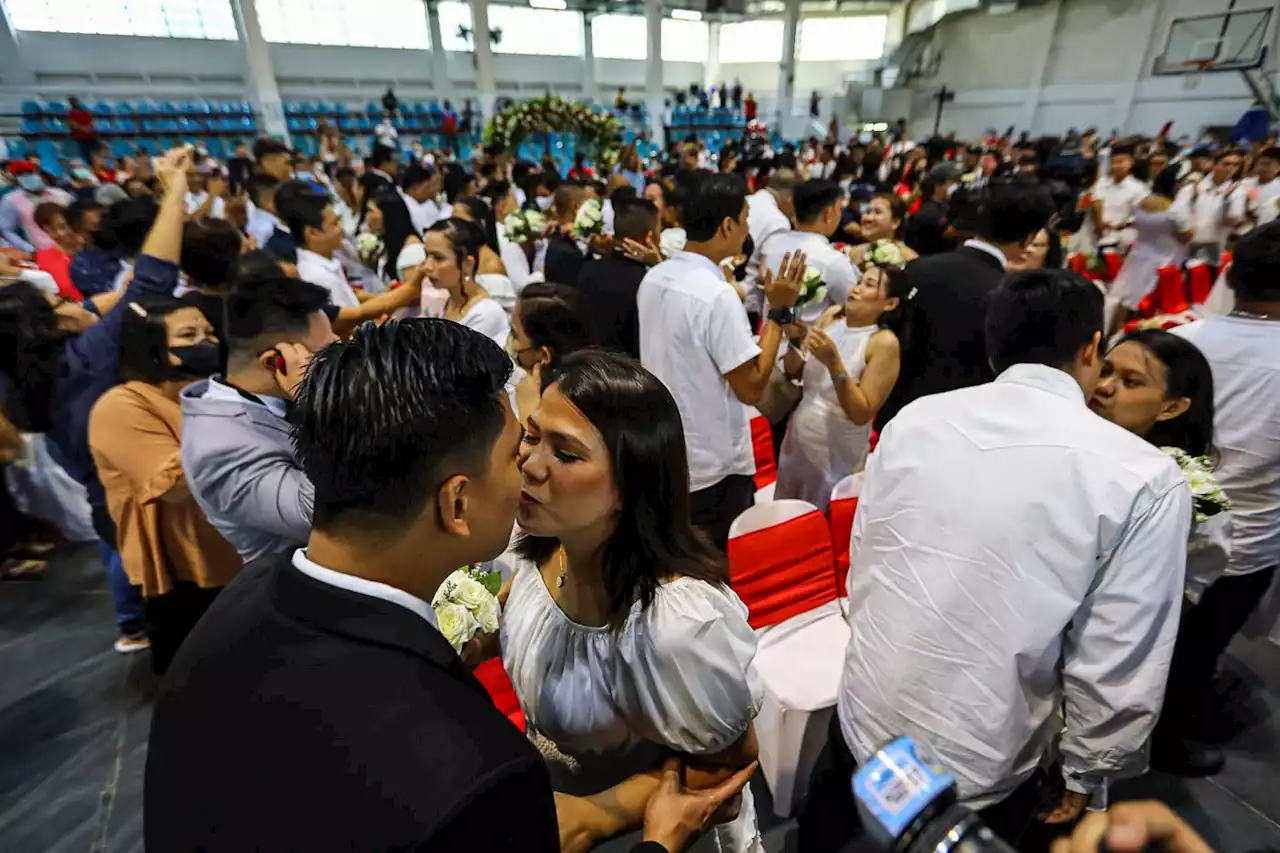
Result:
{"points": [[1243, 350], [312, 219], [1115, 198], [817, 205], [695, 337], [1217, 206]]}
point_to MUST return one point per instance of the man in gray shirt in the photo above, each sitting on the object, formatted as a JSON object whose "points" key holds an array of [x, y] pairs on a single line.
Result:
{"points": [[236, 445]]}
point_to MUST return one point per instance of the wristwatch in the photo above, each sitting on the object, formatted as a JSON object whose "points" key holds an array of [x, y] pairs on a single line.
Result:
{"points": [[781, 316]]}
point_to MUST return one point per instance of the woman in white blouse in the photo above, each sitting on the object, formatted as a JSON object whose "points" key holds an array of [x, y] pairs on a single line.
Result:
{"points": [[620, 635], [492, 271], [452, 249]]}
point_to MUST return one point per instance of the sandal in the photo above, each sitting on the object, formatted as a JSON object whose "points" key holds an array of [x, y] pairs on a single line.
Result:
{"points": [[17, 568]]}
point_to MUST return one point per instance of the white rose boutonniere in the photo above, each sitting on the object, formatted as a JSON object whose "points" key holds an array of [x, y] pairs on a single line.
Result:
{"points": [[457, 624], [884, 253], [590, 220]]}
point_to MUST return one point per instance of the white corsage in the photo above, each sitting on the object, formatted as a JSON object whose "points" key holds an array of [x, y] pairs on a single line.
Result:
{"points": [[812, 288], [1207, 497], [884, 253], [524, 226], [590, 220], [466, 604]]}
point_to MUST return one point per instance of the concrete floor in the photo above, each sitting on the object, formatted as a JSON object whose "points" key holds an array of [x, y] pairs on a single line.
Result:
{"points": [[74, 717]]}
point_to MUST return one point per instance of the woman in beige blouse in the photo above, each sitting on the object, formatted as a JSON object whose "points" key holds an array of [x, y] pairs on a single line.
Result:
{"points": [[168, 546]]}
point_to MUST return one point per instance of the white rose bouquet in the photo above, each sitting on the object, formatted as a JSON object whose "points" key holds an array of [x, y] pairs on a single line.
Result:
{"points": [[1207, 497], [524, 226], [884, 253], [466, 604], [812, 287], [368, 246], [590, 220]]}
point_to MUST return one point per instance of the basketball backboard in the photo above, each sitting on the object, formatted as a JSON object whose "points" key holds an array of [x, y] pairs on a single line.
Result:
{"points": [[1231, 41]]}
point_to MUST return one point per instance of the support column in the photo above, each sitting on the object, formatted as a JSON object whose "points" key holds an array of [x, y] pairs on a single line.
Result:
{"points": [[439, 60], [787, 71], [484, 56], [711, 70], [263, 90], [1035, 85], [653, 72], [590, 93]]}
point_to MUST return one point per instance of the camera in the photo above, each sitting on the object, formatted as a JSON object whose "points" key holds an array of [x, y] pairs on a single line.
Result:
{"points": [[908, 804]]}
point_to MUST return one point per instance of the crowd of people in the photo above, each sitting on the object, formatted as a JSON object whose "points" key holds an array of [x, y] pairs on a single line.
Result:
{"points": [[293, 396]]}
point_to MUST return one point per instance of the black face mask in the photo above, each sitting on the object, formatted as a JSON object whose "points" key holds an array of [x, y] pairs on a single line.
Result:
{"points": [[199, 360]]}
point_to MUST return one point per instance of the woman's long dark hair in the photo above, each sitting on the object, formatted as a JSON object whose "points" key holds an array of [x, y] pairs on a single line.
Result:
{"points": [[898, 319], [32, 355], [482, 213], [397, 227], [1166, 182], [551, 316], [1187, 374], [655, 536]]}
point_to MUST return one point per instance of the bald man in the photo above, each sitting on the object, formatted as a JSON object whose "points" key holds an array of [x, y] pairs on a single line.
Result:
{"points": [[769, 214]]}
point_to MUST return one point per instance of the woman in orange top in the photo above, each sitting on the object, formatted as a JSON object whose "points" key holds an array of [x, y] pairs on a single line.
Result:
{"points": [[168, 546], [56, 259]]}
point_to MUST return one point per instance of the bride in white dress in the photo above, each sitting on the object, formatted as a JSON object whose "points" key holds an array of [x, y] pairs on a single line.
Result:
{"points": [[622, 641]]}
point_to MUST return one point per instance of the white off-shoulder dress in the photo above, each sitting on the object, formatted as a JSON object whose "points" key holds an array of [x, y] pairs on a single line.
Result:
{"points": [[678, 675]]}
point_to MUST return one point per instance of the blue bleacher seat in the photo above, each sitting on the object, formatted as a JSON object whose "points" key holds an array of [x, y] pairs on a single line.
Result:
{"points": [[102, 108], [200, 108], [50, 157], [32, 108], [306, 108], [149, 145], [29, 126], [121, 148], [169, 125], [104, 125], [54, 126], [364, 123], [167, 108], [294, 124], [346, 125], [126, 125], [310, 125], [215, 147], [292, 108], [373, 109], [147, 108], [57, 108], [124, 109]]}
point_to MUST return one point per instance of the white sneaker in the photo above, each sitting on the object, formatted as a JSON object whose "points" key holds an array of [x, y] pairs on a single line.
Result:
{"points": [[127, 644]]}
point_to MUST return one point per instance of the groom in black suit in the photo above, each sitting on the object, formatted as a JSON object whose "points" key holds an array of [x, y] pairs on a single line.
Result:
{"points": [[945, 349], [317, 706]]}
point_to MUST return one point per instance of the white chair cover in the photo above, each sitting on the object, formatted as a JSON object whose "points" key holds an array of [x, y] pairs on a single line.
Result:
{"points": [[800, 662]]}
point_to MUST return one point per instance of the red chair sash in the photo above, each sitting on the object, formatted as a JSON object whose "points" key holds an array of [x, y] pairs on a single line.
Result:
{"points": [[784, 570], [762, 446], [495, 680], [1171, 291], [1223, 263], [842, 512], [1200, 277]]}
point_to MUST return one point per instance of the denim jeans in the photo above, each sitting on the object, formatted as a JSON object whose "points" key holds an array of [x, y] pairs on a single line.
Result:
{"points": [[126, 597]]}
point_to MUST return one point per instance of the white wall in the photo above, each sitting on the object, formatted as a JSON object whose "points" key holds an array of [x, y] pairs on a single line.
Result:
{"points": [[1094, 64]]}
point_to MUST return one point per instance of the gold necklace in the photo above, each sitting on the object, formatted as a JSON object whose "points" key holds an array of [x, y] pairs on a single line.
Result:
{"points": [[563, 570]]}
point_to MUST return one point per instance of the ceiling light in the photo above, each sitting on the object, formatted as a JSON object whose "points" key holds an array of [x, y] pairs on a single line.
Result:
{"points": [[558, 5], [686, 15]]}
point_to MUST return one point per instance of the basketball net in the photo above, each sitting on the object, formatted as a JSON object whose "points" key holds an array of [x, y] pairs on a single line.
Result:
{"points": [[1196, 69]]}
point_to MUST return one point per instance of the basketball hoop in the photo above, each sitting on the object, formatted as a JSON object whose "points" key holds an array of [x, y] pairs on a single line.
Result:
{"points": [[1195, 71]]}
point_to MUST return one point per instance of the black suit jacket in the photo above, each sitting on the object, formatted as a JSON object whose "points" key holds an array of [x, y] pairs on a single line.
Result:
{"points": [[946, 347], [609, 287], [564, 260], [299, 716]]}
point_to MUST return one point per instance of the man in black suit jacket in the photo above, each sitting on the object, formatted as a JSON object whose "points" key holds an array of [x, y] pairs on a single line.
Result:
{"points": [[317, 706], [609, 285], [945, 349], [565, 259], [379, 175]]}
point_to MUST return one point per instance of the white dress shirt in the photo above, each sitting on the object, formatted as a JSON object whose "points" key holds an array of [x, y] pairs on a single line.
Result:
{"points": [[1262, 201], [838, 272], [364, 586], [993, 251], [422, 214], [1244, 355], [217, 210], [693, 331], [1119, 202], [1215, 209], [327, 273], [1013, 554], [764, 222], [262, 224]]}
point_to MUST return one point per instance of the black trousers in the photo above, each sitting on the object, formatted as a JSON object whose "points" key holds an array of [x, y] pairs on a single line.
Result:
{"points": [[169, 618], [830, 822], [715, 507], [1203, 635]]}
